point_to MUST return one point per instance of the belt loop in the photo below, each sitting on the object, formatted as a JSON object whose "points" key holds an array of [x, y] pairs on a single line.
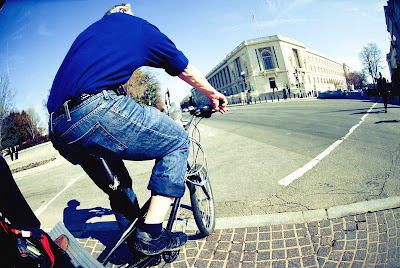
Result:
{"points": [[51, 122], [106, 96], [67, 111]]}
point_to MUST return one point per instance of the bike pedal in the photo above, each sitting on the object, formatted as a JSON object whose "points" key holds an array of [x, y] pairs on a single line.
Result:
{"points": [[170, 256]]}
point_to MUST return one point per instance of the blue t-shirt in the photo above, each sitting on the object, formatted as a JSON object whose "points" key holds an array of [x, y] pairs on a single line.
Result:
{"points": [[107, 53]]}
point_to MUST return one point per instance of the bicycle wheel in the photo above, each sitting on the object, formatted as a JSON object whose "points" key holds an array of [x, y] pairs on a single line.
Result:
{"points": [[202, 200]]}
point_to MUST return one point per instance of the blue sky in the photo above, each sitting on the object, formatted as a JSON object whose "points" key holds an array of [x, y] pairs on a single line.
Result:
{"points": [[35, 35]]}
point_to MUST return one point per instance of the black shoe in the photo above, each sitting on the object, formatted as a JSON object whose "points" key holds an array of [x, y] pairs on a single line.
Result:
{"points": [[167, 241]]}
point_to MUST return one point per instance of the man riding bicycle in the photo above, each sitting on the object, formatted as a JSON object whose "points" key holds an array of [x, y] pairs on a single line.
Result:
{"points": [[91, 117]]}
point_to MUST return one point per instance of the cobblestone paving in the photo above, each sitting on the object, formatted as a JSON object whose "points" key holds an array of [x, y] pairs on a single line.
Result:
{"points": [[365, 240]]}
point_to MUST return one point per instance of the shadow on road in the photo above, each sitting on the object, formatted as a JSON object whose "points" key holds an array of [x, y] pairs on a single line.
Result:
{"points": [[371, 112], [76, 221], [387, 121]]}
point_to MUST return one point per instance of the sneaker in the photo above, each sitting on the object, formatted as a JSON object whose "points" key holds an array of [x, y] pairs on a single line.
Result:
{"points": [[167, 241]]}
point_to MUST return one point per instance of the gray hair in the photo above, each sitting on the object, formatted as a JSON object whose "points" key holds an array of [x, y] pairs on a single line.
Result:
{"points": [[118, 8]]}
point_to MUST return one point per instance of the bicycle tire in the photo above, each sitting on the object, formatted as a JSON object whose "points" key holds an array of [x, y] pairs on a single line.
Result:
{"points": [[202, 200]]}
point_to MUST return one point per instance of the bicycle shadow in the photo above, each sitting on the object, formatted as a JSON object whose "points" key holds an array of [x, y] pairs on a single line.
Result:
{"points": [[106, 232], [76, 221]]}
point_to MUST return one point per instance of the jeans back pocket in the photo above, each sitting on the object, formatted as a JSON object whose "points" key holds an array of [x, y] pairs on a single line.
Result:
{"points": [[98, 141]]}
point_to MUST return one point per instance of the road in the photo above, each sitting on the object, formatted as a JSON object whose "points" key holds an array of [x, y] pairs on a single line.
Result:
{"points": [[347, 149], [266, 143]]}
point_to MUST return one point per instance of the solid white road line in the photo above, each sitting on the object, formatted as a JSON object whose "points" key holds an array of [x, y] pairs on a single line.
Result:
{"points": [[45, 205], [301, 171]]}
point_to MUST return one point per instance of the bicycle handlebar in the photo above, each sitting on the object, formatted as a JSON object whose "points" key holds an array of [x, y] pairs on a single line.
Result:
{"points": [[205, 111]]}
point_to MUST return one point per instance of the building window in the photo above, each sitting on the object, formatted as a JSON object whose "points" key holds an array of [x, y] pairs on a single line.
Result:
{"points": [[267, 59], [224, 77], [229, 74], [296, 56], [238, 66], [219, 81]]}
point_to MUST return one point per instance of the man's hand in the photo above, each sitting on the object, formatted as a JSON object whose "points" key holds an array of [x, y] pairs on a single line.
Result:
{"points": [[218, 102], [193, 77]]}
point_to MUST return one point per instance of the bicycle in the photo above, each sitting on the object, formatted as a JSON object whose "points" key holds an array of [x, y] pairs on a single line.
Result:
{"points": [[201, 197]]}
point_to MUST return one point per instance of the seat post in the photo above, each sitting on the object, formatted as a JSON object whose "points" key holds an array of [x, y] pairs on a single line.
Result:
{"points": [[107, 169], [114, 183]]}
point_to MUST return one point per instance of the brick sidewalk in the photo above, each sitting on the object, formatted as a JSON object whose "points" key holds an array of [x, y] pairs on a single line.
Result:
{"points": [[365, 240]]}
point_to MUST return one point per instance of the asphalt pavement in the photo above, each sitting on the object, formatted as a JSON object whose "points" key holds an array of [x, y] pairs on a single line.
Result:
{"points": [[362, 234]]}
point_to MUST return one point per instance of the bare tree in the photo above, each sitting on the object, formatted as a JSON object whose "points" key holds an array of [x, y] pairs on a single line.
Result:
{"points": [[7, 95], [371, 58], [32, 122], [357, 79]]}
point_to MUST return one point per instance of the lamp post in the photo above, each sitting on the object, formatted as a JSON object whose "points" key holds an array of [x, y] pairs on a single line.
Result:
{"points": [[296, 76], [247, 89], [167, 101]]}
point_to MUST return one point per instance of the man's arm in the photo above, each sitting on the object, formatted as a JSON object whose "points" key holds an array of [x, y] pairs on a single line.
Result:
{"points": [[195, 78]]}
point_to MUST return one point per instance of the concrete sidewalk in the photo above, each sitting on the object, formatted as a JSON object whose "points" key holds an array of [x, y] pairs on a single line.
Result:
{"points": [[368, 239]]}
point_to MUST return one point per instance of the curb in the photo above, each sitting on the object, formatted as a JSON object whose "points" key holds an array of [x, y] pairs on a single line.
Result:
{"points": [[278, 218], [272, 102], [309, 215], [59, 160]]}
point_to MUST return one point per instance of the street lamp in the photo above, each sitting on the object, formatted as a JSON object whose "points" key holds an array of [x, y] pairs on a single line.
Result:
{"points": [[296, 76], [167, 100]]}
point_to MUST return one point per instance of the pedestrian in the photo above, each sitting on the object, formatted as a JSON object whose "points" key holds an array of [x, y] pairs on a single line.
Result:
{"points": [[16, 151], [11, 151], [389, 87], [91, 117], [383, 90]]}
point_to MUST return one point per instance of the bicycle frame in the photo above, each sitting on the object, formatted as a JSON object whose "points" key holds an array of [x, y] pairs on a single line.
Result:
{"points": [[130, 228]]}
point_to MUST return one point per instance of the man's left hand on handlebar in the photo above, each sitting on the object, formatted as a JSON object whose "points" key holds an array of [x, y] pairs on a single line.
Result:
{"points": [[219, 103]]}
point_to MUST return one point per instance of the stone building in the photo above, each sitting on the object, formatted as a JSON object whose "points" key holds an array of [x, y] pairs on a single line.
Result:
{"points": [[392, 15], [270, 67]]}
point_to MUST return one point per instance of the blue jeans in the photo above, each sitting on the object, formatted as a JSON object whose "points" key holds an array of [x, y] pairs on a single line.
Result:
{"points": [[114, 128]]}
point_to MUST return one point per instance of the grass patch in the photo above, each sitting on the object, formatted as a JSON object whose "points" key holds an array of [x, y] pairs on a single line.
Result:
{"points": [[32, 165]]}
